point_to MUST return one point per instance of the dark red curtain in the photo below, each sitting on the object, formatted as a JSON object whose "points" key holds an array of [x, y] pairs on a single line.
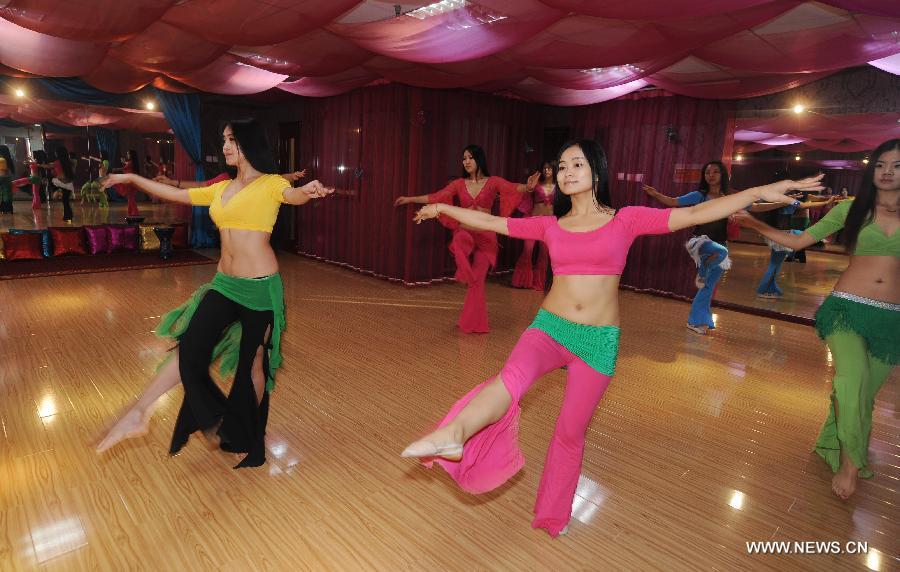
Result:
{"points": [[378, 143], [661, 140]]}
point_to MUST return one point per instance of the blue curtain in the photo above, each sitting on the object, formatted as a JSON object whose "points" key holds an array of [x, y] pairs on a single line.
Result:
{"points": [[182, 111], [108, 141]]}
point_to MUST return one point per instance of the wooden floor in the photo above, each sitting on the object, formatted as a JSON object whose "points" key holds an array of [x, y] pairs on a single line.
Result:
{"points": [[701, 444]]}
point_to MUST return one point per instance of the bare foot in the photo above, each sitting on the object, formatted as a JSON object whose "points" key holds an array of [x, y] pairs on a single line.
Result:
{"points": [[701, 329], [130, 425], [698, 282], [843, 483], [445, 442], [213, 441]]}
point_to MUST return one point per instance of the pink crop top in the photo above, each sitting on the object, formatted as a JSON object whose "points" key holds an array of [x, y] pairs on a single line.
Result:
{"points": [[602, 251], [540, 196]]}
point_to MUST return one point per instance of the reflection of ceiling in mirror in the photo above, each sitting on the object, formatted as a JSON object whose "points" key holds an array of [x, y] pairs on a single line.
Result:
{"points": [[811, 130], [33, 110], [564, 52]]}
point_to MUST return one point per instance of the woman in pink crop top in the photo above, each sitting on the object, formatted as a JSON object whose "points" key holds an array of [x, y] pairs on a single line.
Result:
{"points": [[531, 273], [860, 319], [237, 318], [577, 327], [475, 251]]}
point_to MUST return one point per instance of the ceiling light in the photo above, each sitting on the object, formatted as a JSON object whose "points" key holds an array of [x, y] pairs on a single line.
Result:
{"points": [[150, 105], [799, 108], [866, 161], [738, 157], [20, 92], [796, 157]]}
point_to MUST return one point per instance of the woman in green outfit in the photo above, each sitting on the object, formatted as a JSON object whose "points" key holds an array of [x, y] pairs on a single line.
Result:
{"points": [[860, 319]]}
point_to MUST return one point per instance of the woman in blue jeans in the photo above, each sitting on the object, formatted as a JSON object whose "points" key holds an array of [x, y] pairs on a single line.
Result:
{"points": [[708, 245]]}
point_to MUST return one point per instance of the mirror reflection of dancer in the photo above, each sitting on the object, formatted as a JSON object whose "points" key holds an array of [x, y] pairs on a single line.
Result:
{"points": [[529, 273], [577, 326], [64, 179], [768, 285], [237, 318], [475, 251], [860, 319], [7, 173], [708, 245], [91, 190]]}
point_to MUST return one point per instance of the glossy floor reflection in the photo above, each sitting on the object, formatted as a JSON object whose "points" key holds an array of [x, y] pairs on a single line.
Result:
{"points": [[701, 445], [805, 285]]}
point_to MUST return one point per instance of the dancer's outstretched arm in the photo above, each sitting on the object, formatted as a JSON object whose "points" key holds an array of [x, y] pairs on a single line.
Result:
{"points": [[670, 202], [163, 191], [722, 207], [792, 241], [468, 217]]}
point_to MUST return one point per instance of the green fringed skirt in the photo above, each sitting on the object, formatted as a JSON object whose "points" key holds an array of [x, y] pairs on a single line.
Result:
{"points": [[259, 294], [598, 346], [875, 321]]}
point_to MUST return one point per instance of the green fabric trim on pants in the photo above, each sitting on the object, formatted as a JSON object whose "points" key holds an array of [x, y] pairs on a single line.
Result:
{"points": [[598, 346], [258, 294]]}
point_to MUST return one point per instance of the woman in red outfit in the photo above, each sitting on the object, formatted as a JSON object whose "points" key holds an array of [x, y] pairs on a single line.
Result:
{"points": [[475, 251], [526, 274], [128, 190]]}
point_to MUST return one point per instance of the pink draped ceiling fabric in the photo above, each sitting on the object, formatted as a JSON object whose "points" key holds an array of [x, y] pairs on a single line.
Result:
{"points": [[806, 131], [563, 52]]}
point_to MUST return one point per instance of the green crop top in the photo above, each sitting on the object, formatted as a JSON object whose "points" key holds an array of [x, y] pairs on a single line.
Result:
{"points": [[872, 241]]}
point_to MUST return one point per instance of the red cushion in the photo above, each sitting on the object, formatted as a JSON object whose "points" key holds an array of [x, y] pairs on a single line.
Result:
{"points": [[22, 246], [180, 236], [67, 240]]}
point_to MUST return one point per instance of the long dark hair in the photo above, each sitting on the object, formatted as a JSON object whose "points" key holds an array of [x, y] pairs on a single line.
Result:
{"points": [[62, 155], [480, 160], [552, 165], [133, 159], [596, 158], [4, 152], [726, 180], [862, 210], [562, 203], [251, 139]]}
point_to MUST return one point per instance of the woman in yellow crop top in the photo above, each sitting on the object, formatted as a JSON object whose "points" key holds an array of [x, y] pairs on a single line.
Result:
{"points": [[860, 319], [237, 318]]}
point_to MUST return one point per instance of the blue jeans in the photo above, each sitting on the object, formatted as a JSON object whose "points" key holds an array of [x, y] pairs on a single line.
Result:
{"points": [[768, 284], [711, 255]]}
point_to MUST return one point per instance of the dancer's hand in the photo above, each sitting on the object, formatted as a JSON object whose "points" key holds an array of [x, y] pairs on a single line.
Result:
{"points": [[776, 192], [115, 179], [313, 190], [533, 181], [427, 212], [746, 219], [650, 190], [402, 201], [295, 176]]}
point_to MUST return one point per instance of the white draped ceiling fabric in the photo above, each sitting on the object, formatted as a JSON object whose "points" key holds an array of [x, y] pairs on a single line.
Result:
{"points": [[560, 52]]}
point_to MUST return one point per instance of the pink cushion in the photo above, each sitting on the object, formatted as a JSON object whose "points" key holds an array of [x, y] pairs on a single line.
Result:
{"points": [[67, 240], [97, 239], [122, 237]]}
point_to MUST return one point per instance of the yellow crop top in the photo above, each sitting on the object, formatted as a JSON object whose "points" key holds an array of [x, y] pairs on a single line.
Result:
{"points": [[255, 207]]}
